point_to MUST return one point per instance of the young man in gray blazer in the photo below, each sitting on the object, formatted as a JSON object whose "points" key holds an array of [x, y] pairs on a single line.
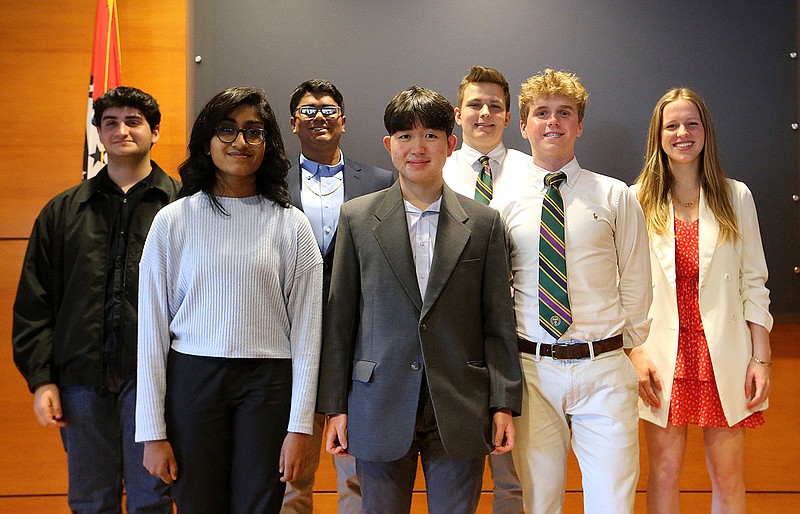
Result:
{"points": [[320, 181], [419, 356]]}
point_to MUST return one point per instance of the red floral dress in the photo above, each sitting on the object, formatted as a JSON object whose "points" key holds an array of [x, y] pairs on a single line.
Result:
{"points": [[695, 398]]}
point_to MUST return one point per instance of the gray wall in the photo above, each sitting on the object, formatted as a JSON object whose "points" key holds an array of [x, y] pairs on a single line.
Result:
{"points": [[627, 53]]}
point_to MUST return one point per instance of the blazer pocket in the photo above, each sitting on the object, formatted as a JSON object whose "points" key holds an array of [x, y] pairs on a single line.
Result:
{"points": [[469, 266], [362, 371], [477, 364]]}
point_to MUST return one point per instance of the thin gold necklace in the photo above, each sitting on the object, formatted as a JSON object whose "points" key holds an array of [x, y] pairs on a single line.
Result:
{"points": [[685, 204], [320, 193]]}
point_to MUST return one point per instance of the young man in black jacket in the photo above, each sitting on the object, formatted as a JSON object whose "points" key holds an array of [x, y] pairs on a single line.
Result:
{"points": [[75, 318]]}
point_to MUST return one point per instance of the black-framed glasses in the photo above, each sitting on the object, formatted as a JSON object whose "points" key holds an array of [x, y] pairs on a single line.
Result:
{"points": [[309, 112], [252, 136]]}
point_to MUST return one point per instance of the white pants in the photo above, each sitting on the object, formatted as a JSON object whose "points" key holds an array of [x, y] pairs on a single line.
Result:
{"points": [[598, 400]]}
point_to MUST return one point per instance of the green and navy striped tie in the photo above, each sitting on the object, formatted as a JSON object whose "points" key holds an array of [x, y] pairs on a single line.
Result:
{"points": [[483, 186], [554, 312]]}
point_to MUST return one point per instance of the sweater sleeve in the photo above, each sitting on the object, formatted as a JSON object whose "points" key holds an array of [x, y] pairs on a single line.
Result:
{"points": [[304, 308], [154, 335]]}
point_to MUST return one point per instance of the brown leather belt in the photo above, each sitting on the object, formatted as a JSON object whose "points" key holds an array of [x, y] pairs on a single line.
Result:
{"points": [[570, 351]]}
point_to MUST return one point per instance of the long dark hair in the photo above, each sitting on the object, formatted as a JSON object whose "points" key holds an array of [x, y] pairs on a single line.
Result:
{"points": [[198, 172]]}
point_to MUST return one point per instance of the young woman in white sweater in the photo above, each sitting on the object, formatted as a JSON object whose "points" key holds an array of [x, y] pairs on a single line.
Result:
{"points": [[229, 319]]}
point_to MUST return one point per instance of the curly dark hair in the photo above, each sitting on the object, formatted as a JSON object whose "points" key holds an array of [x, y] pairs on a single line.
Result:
{"points": [[198, 172], [125, 96]]}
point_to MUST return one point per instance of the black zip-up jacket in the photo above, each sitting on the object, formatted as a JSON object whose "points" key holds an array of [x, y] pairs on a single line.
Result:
{"points": [[59, 309]]}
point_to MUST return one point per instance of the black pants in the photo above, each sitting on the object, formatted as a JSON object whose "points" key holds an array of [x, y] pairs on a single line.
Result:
{"points": [[226, 420]]}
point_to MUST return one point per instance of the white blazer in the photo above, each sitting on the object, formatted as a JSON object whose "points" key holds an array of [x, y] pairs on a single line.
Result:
{"points": [[732, 292]]}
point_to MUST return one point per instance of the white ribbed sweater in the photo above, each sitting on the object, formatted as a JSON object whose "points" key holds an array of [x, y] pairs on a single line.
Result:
{"points": [[248, 285]]}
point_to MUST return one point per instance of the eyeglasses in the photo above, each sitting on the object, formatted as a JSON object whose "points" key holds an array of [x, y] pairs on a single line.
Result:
{"points": [[252, 136], [329, 112]]}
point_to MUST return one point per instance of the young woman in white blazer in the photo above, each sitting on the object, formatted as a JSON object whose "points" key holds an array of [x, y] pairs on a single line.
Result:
{"points": [[707, 359]]}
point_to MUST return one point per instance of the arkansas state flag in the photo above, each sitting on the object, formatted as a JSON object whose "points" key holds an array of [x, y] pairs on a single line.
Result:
{"points": [[105, 76]]}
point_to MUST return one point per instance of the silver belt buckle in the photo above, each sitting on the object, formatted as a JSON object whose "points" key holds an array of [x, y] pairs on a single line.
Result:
{"points": [[560, 344]]}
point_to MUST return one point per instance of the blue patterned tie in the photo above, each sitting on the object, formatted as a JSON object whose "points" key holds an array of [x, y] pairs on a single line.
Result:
{"points": [[554, 312]]}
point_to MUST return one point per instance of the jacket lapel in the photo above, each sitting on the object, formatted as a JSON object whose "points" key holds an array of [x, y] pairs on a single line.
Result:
{"points": [[353, 185], [392, 236], [663, 246], [294, 178], [452, 236], [708, 235]]}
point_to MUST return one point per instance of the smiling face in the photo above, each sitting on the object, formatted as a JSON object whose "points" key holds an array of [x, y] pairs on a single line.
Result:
{"points": [[237, 162], [552, 127], [483, 116], [419, 155], [319, 133], [125, 133], [682, 133]]}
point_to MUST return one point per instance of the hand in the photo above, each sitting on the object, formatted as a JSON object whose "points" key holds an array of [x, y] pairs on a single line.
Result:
{"points": [[47, 406], [649, 379], [295, 455], [757, 384], [159, 459], [757, 381], [336, 435], [503, 432]]}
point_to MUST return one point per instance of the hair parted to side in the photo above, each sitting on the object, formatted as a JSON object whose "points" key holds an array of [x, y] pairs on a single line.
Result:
{"points": [[486, 75], [126, 96], [198, 172], [419, 105], [656, 181], [552, 83], [315, 87]]}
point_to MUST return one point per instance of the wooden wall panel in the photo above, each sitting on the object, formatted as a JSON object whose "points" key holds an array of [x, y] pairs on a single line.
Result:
{"points": [[45, 57]]}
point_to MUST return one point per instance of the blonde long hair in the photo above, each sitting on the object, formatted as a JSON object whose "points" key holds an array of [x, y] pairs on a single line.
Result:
{"points": [[656, 180]]}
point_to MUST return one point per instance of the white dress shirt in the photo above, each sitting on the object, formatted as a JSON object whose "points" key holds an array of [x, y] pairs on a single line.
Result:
{"points": [[422, 227], [508, 168], [608, 262]]}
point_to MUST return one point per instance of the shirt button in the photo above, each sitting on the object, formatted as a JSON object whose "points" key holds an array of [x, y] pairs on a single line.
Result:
{"points": [[327, 205], [124, 200], [416, 366], [327, 230]]}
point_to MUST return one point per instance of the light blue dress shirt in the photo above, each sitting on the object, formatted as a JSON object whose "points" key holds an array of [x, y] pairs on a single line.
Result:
{"points": [[322, 194]]}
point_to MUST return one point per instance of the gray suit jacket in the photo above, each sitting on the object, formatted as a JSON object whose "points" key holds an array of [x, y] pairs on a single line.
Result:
{"points": [[381, 336], [359, 179]]}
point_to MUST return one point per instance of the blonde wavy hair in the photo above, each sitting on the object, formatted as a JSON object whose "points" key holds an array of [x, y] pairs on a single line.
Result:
{"points": [[552, 83], [656, 180]]}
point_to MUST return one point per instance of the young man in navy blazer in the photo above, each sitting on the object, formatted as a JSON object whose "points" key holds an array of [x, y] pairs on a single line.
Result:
{"points": [[320, 181]]}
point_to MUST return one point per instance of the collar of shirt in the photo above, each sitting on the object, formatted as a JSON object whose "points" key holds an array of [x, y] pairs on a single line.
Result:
{"points": [[110, 187], [314, 169], [413, 209], [471, 155], [572, 169]]}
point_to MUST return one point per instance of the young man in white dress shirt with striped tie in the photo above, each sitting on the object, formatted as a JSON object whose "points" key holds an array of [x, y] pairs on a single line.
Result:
{"points": [[482, 169], [582, 289]]}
